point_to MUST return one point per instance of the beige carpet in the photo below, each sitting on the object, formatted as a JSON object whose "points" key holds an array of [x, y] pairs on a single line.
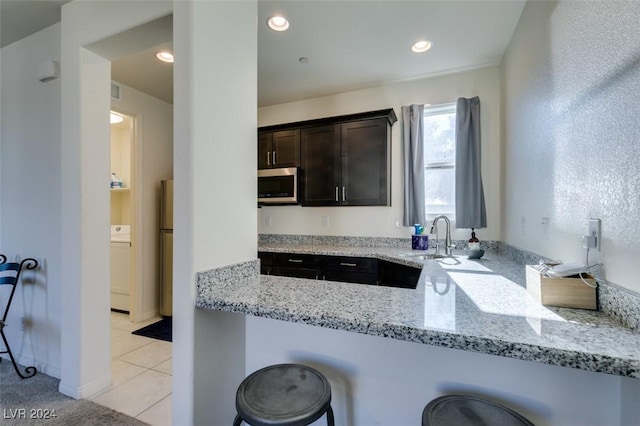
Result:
{"points": [[27, 401]]}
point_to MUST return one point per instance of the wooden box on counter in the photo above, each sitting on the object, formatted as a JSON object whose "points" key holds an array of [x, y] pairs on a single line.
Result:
{"points": [[561, 292]]}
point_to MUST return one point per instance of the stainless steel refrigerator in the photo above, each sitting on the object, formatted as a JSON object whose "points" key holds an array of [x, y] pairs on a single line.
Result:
{"points": [[166, 247]]}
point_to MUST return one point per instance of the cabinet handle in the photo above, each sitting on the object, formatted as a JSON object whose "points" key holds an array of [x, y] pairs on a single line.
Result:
{"points": [[348, 264], [274, 158], [295, 260], [268, 158], [337, 199], [344, 198]]}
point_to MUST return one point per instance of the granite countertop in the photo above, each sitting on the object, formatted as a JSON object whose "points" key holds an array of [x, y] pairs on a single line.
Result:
{"points": [[474, 305]]}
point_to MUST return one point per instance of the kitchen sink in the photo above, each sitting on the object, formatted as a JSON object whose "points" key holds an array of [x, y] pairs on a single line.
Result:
{"points": [[428, 256], [424, 256]]}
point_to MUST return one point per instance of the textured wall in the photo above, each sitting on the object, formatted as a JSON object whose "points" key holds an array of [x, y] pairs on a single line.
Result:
{"points": [[571, 78]]}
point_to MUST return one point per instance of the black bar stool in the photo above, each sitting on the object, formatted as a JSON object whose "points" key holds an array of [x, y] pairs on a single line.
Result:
{"points": [[465, 410], [283, 395]]}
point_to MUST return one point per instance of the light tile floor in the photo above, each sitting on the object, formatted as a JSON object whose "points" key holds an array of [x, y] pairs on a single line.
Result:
{"points": [[141, 374]]}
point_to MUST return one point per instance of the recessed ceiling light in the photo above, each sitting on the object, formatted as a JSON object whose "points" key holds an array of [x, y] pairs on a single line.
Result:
{"points": [[421, 46], [278, 23], [115, 118], [165, 56]]}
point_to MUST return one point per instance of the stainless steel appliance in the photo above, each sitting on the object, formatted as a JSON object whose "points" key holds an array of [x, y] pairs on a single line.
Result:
{"points": [[278, 186], [166, 247]]}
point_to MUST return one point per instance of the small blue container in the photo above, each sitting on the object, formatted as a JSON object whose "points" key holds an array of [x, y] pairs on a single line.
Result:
{"points": [[420, 242]]}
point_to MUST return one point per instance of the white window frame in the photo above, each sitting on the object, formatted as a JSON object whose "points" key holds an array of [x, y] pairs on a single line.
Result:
{"points": [[430, 110]]}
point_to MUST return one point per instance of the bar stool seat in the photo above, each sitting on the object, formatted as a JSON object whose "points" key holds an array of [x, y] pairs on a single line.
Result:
{"points": [[465, 410], [283, 395]]}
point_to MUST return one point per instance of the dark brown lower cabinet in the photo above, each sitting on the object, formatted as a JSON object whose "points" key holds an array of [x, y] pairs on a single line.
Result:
{"points": [[351, 269], [395, 275], [359, 270], [266, 262], [297, 265]]}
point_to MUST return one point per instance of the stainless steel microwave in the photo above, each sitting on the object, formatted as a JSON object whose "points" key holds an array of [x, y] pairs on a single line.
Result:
{"points": [[278, 186]]}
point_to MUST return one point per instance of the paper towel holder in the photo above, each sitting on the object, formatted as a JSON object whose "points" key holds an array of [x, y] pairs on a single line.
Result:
{"points": [[48, 70]]}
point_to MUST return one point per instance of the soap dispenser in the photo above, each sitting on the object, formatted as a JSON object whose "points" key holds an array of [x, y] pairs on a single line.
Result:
{"points": [[474, 243]]}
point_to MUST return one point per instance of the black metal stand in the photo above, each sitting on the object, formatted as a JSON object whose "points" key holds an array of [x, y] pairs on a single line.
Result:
{"points": [[13, 280]]}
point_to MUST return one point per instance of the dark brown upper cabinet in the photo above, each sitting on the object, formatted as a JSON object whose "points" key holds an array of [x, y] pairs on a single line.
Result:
{"points": [[347, 164], [366, 163], [320, 165], [278, 149], [344, 161]]}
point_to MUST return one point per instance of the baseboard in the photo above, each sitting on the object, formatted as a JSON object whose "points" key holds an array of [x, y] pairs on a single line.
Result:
{"points": [[90, 389]]}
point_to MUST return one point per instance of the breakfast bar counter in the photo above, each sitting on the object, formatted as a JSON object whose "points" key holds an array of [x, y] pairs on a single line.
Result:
{"points": [[474, 305]]}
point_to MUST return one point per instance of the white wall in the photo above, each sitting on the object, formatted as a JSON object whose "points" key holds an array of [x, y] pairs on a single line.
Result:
{"points": [[153, 160], [571, 134], [381, 221], [215, 77], [381, 381], [30, 195]]}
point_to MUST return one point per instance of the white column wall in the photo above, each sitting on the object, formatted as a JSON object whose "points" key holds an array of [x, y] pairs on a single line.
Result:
{"points": [[215, 108]]}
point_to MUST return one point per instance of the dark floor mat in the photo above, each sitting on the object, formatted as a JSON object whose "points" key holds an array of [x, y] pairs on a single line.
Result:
{"points": [[160, 330]]}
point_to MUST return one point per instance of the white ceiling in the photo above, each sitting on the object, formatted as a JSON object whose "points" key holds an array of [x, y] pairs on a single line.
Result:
{"points": [[350, 45], [20, 18]]}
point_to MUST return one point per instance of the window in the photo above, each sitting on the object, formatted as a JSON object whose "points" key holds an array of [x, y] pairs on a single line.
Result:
{"points": [[440, 159]]}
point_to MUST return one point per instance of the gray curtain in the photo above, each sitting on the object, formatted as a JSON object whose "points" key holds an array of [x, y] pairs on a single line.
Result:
{"points": [[413, 156], [470, 206]]}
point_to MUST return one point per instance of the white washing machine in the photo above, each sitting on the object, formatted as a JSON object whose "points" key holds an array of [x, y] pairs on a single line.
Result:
{"points": [[120, 266]]}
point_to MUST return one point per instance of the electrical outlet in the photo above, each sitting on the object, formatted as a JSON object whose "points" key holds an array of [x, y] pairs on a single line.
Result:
{"points": [[523, 226], [268, 221], [544, 228], [325, 221], [595, 226]]}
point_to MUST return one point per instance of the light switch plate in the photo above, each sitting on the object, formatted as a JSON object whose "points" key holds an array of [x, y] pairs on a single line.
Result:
{"points": [[595, 226]]}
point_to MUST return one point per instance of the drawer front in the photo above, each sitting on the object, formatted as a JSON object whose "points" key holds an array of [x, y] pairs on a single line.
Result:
{"points": [[309, 273], [290, 260], [351, 277], [350, 264]]}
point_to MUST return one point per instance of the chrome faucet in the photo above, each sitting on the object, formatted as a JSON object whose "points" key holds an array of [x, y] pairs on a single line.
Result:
{"points": [[447, 240]]}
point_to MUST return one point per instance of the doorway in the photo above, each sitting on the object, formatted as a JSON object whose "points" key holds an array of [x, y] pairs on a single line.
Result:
{"points": [[122, 205], [141, 157]]}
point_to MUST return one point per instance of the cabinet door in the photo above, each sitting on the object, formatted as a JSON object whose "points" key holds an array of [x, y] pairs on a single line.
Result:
{"points": [[366, 163], [266, 262], [286, 148], [320, 165], [265, 150], [392, 274]]}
